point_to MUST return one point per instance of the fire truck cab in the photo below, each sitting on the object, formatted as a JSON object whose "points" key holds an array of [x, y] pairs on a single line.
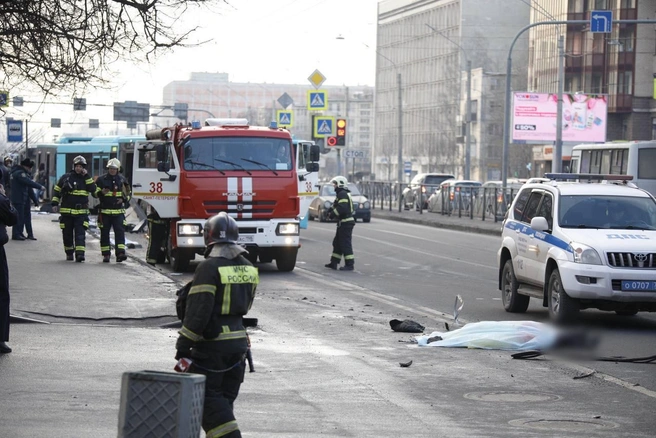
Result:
{"points": [[188, 173]]}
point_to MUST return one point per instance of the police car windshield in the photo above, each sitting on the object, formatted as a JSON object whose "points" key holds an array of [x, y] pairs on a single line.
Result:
{"points": [[607, 212]]}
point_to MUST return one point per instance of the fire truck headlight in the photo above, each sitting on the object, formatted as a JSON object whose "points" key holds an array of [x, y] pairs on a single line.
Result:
{"points": [[190, 230], [287, 229]]}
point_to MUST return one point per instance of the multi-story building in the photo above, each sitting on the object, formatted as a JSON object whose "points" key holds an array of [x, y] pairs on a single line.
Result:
{"points": [[428, 43], [619, 64], [213, 95]]}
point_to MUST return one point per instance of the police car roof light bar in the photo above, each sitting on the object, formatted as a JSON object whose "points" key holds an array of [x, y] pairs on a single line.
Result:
{"points": [[588, 176]]}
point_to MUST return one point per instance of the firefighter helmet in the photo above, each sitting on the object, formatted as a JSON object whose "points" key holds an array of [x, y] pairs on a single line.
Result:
{"points": [[114, 164], [221, 229], [79, 160], [340, 182]]}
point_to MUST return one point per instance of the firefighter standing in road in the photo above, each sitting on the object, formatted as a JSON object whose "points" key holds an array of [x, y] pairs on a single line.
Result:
{"points": [[343, 211], [114, 193], [72, 192], [213, 334]]}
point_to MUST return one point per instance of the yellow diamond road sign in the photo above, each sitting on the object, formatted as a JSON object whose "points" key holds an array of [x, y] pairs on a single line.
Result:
{"points": [[316, 78]]}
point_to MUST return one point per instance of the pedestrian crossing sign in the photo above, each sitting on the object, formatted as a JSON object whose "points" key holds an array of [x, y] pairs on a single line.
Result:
{"points": [[285, 118], [324, 126], [317, 100]]}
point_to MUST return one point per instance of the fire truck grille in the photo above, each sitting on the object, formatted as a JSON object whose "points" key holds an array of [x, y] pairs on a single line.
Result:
{"points": [[632, 260], [256, 208]]}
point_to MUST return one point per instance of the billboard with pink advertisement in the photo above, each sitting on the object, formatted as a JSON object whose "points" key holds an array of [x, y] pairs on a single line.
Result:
{"points": [[534, 117]]}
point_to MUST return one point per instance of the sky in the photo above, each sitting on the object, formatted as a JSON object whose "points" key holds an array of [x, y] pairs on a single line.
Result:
{"points": [[273, 41]]}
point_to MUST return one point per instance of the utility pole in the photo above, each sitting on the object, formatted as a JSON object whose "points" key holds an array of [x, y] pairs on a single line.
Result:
{"points": [[557, 161], [400, 157], [468, 126]]}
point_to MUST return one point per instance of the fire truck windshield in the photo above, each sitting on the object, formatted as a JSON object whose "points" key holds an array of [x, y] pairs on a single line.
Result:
{"points": [[251, 154]]}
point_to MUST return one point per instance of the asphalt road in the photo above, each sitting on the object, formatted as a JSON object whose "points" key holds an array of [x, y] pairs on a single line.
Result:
{"points": [[426, 267]]}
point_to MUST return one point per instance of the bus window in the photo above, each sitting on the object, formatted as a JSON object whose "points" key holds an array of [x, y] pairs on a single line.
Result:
{"points": [[585, 161], [625, 162], [595, 162], [605, 162], [616, 161], [647, 163]]}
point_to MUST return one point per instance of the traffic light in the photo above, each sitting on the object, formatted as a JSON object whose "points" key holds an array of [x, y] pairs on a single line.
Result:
{"points": [[341, 132], [331, 141]]}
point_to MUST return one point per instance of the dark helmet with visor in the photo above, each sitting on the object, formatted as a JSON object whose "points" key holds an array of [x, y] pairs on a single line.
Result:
{"points": [[220, 229]]}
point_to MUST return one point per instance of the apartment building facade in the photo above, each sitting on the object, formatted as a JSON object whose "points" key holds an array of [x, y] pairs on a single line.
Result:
{"points": [[429, 43], [619, 64]]}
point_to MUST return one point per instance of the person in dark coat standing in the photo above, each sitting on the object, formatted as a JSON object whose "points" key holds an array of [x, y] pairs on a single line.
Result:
{"points": [[114, 193], [21, 195], [5, 168], [343, 211], [72, 192], [8, 218], [213, 335]]}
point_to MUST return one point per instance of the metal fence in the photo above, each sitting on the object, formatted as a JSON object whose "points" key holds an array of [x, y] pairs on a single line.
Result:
{"points": [[483, 203]]}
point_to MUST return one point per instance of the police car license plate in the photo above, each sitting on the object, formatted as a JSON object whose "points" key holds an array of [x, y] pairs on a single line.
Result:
{"points": [[644, 286], [246, 239]]}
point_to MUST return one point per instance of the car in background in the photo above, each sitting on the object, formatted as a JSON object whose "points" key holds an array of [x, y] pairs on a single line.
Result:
{"points": [[420, 189], [322, 203], [491, 197], [454, 195]]}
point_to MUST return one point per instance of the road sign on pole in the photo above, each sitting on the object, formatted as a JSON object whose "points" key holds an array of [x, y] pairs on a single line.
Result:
{"points": [[601, 21], [14, 131]]}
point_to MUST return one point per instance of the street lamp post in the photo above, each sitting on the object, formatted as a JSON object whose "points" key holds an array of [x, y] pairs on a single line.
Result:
{"points": [[467, 105], [399, 110]]}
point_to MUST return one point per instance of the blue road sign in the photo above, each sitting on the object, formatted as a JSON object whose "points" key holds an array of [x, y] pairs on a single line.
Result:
{"points": [[407, 167], [317, 100], [601, 21], [14, 131]]}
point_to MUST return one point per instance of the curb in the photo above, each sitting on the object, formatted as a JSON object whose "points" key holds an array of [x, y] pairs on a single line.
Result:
{"points": [[435, 224]]}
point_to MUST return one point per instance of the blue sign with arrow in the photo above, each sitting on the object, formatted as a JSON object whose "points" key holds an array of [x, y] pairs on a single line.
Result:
{"points": [[601, 21]]}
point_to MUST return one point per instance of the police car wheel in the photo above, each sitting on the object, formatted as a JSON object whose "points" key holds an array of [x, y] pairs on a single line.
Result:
{"points": [[562, 308], [512, 301]]}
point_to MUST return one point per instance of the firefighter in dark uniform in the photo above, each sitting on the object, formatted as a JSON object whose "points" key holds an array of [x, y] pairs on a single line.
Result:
{"points": [[213, 334], [71, 198], [113, 191], [343, 211], [157, 234]]}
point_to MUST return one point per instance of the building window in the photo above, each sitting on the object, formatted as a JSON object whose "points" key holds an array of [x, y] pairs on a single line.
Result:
{"points": [[625, 82], [653, 129], [365, 113], [364, 129]]}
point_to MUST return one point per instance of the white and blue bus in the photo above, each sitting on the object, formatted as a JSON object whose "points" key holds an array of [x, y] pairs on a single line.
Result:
{"points": [[635, 158]]}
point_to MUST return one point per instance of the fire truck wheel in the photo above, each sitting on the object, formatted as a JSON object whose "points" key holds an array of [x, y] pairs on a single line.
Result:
{"points": [[178, 258], [286, 260]]}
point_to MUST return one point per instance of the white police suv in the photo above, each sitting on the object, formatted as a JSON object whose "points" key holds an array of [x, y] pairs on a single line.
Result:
{"points": [[578, 245]]}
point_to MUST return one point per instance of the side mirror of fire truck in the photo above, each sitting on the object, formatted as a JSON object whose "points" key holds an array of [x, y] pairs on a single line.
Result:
{"points": [[312, 167], [163, 166], [315, 154]]}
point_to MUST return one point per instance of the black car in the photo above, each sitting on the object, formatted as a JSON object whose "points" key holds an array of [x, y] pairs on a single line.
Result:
{"points": [[322, 203], [421, 187]]}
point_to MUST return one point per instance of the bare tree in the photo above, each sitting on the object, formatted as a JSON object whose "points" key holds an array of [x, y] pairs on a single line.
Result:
{"points": [[60, 45]]}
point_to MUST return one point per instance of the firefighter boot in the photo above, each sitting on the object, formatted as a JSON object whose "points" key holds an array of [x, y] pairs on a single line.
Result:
{"points": [[347, 268], [331, 265], [105, 258], [79, 257], [121, 257], [69, 257]]}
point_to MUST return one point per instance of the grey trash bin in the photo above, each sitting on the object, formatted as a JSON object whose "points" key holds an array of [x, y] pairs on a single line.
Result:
{"points": [[157, 404]]}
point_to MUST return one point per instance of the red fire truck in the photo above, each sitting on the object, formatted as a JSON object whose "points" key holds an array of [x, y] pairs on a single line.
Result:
{"points": [[188, 173]]}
